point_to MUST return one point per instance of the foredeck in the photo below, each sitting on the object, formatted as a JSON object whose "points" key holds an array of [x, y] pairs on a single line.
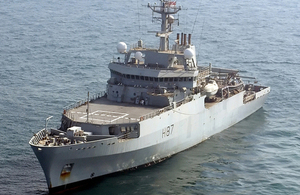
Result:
{"points": [[104, 111]]}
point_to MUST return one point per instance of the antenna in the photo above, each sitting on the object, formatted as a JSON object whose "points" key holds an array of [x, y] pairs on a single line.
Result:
{"points": [[201, 38], [137, 5], [165, 10], [196, 16], [46, 122], [87, 107]]}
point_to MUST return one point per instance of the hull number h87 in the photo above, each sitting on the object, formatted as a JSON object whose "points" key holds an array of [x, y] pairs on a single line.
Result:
{"points": [[167, 131]]}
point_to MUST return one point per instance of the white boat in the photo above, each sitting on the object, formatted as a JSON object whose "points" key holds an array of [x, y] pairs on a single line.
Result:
{"points": [[155, 106]]}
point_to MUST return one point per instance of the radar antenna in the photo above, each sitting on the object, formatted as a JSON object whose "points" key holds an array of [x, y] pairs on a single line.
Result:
{"points": [[165, 9]]}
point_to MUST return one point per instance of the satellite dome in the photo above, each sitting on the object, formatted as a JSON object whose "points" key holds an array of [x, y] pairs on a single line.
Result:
{"points": [[122, 47], [188, 54], [139, 56], [171, 19]]}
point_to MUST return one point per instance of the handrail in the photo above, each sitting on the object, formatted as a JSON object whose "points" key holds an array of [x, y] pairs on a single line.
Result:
{"points": [[38, 137], [143, 117], [164, 109], [83, 102]]}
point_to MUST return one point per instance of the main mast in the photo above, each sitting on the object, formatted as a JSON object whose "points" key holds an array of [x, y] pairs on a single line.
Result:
{"points": [[165, 9]]}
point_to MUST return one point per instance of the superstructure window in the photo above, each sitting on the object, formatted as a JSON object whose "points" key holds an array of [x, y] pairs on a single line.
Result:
{"points": [[137, 77], [142, 78], [151, 78], [132, 76], [128, 76], [146, 78], [161, 79]]}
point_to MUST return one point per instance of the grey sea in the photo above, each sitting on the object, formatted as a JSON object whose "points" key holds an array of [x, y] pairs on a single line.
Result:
{"points": [[53, 52]]}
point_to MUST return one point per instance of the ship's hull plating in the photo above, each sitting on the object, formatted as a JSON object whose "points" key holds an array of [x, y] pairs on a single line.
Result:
{"points": [[160, 137]]}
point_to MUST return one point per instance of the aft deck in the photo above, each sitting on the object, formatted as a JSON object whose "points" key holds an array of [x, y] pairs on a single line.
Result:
{"points": [[104, 111]]}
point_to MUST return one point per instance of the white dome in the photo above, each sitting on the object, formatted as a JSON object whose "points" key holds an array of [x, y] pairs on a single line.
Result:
{"points": [[211, 88], [171, 19], [122, 47], [189, 54], [139, 56]]}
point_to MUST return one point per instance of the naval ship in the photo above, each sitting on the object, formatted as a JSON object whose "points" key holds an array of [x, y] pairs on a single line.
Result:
{"points": [[157, 102]]}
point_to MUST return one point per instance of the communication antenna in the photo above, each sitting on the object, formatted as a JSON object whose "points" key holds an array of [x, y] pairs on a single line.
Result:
{"points": [[137, 5], [87, 107], [201, 29], [196, 16], [200, 38], [46, 122]]}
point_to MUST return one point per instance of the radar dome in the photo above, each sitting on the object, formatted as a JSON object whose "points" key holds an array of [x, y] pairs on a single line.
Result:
{"points": [[171, 19], [139, 56], [122, 47], [188, 54]]}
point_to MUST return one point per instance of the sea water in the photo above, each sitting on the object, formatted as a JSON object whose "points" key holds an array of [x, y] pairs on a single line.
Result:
{"points": [[52, 53]]}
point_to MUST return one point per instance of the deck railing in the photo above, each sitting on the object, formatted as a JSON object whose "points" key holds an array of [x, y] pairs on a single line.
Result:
{"points": [[155, 113], [125, 120], [167, 108], [38, 137], [204, 71], [83, 102]]}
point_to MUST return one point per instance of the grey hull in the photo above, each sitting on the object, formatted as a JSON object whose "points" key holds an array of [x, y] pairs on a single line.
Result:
{"points": [[160, 137]]}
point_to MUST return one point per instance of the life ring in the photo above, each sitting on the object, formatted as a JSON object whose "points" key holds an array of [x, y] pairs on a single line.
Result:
{"points": [[142, 118]]}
